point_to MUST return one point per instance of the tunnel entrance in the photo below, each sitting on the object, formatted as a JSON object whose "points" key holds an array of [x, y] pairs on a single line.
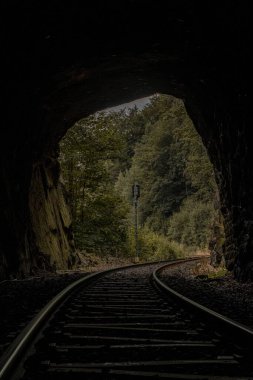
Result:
{"points": [[151, 144], [65, 63]]}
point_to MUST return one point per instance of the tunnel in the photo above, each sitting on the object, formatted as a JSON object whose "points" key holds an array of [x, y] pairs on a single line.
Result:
{"points": [[66, 60]]}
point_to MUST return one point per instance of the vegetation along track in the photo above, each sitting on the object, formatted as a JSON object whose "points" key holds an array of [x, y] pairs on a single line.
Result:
{"points": [[119, 324]]}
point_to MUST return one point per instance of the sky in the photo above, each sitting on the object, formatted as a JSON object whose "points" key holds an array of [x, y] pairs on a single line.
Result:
{"points": [[139, 103]]}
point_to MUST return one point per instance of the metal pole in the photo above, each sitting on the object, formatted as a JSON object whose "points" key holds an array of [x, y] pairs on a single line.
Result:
{"points": [[136, 195], [136, 231]]}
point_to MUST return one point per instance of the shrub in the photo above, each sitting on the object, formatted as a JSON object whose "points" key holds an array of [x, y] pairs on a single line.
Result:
{"points": [[154, 246]]}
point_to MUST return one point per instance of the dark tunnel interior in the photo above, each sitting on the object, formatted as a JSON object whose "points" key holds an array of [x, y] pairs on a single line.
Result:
{"points": [[66, 60]]}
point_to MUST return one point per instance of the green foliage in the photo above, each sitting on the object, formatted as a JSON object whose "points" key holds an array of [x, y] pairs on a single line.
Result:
{"points": [[158, 147], [220, 273], [154, 246], [87, 153], [103, 226], [192, 224], [178, 189]]}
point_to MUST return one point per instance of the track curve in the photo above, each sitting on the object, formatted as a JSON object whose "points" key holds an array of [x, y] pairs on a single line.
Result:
{"points": [[121, 326]]}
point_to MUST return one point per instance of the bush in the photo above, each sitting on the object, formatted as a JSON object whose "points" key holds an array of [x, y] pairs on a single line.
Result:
{"points": [[154, 246], [192, 224]]}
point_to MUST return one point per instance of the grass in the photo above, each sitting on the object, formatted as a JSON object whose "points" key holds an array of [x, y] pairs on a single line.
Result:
{"points": [[221, 272]]}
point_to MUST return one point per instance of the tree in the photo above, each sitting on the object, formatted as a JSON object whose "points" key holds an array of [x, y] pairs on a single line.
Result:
{"points": [[158, 147], [87, 153], [175, 174]]}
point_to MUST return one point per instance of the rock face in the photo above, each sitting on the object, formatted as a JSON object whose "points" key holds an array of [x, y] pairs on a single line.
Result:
{"points": [[63, 62], [50, 217], [39, 235]]}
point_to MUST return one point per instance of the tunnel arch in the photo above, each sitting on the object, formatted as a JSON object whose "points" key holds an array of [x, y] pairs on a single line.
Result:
{"points": [[189, 51]]}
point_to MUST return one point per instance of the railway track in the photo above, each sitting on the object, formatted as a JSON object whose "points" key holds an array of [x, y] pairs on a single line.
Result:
{"points": [[120, 325]]}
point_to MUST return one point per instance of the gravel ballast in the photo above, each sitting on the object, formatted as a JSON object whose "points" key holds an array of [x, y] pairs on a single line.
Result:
{"points": [[21, 300], [223, 294]]}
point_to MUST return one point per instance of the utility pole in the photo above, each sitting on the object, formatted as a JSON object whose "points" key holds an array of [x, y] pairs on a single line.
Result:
{"points": [[136, 196]]}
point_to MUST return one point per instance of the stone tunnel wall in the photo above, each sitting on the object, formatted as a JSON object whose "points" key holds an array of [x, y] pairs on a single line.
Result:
{"points": [[50, 217], [36, 233], [64, 62], [225, 127]]}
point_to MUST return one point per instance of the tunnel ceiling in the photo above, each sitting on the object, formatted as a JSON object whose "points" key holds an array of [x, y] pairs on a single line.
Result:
{"points": [[65, 60]]}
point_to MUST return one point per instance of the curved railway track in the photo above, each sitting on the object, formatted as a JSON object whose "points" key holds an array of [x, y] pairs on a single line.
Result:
{"points": [[126, 323]]}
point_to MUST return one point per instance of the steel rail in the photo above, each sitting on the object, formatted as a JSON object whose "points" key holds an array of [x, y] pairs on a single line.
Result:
{"points": [[239, 328], [17, 348]]}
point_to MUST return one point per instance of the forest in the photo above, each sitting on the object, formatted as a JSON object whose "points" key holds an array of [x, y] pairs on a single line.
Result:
{"points": [[158, 148]]}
